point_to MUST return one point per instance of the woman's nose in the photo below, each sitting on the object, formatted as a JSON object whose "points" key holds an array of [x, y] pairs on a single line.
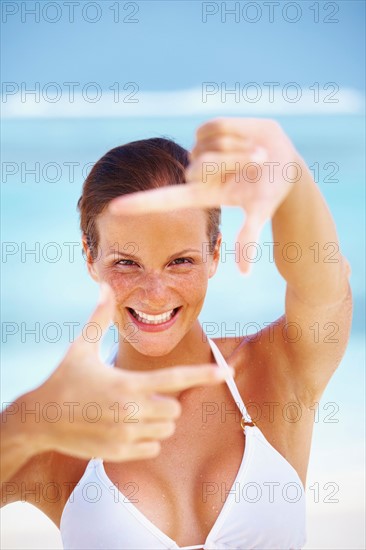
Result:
{"points": [[154, 291]]}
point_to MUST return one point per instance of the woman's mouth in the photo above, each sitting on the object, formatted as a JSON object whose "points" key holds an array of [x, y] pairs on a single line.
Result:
{"points": [[146, 321]]}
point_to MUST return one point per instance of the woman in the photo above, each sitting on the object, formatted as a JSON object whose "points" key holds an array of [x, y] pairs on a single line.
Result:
{"points": [[223, 479]]}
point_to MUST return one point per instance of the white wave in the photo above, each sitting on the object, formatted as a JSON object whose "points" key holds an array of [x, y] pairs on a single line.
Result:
{"points": [[210, 99]]}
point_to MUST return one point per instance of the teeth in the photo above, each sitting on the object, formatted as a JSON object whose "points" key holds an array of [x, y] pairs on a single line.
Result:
{"points": [[153, 319]]}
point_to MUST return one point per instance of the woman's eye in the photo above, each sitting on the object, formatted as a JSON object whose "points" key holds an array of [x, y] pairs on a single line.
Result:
{"points": [[180, 261], [125, 262]]}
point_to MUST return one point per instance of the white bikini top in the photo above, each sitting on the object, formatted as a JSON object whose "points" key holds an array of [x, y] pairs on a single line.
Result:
{"points": [[265, 508]]}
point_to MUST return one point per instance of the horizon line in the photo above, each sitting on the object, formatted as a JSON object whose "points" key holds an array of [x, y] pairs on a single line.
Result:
{"points": [[177, 103]]}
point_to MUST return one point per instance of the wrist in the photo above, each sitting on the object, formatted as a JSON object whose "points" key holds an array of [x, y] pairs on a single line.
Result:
{"points": [[26, 422]]}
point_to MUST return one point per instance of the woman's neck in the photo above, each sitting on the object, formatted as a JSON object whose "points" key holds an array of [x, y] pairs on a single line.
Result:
{"points": [[194, 348]]}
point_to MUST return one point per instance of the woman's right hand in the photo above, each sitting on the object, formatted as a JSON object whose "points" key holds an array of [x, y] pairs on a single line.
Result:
{"points": [[114, 414]]}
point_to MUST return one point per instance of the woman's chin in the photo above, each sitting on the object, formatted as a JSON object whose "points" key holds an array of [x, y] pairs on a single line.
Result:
{"points": [[154, 344]]}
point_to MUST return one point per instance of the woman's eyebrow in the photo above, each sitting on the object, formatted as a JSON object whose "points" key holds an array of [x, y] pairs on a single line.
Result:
{"points": [[185, 251], [117, 252]]}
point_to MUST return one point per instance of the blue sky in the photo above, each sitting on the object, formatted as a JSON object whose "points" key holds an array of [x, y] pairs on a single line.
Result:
{"points": [[171, 48]]}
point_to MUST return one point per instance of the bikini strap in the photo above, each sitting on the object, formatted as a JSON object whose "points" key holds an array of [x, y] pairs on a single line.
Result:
{"points": [[246, 420]]}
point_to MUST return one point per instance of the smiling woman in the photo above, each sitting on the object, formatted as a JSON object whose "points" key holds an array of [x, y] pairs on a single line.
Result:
{"points": [[154, 253], [163, 283]]}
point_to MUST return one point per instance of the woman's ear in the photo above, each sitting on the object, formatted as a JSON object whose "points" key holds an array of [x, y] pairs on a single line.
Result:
{"points": [[89, 260], [215, 256]]}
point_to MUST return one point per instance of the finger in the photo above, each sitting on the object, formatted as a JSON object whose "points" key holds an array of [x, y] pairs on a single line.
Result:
{"points": [[180, 378], [144, 449], [159, 407], [99, 320], [135, 451], [173, 197], [224, 143], [218, 169], [248, 238], [239, 127]]}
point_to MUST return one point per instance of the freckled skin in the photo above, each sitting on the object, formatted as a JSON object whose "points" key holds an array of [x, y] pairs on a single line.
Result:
{"points": [[159, 279]]}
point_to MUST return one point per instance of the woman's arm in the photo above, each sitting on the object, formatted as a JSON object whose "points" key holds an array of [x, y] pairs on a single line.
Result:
{"points": [[306, 247], [242, 162], [318, 306], [19, 440], [106, 428]]}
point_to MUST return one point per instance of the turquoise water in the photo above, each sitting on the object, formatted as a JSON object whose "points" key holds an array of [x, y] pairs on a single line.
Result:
{"points": [[37, 289]]}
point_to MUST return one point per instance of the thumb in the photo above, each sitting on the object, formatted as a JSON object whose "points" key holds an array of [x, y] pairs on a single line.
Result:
{"points": [[100, 319], [248, 239], [104, 312]]}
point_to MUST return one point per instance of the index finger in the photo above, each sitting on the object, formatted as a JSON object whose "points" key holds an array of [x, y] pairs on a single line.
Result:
{"points": [[99, 321], [180, 378], [172, 197]]}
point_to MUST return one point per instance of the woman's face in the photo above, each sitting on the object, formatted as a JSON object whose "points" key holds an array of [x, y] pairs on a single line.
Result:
{"points": [[158, 266]]}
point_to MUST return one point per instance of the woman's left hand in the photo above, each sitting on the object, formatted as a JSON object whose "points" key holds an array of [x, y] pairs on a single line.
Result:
{"points": [[243, 162]]}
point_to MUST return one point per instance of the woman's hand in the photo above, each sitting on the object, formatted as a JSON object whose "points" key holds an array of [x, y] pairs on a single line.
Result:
{"points": [[249, 163], [86, 409]]}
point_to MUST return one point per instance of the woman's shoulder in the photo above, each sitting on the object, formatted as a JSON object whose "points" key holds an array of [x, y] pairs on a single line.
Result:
{"points": [[257, 357], [257, 347], [240, 352]]}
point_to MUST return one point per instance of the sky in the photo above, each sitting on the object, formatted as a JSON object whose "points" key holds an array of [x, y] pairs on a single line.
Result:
{"points": [[166, 46]]}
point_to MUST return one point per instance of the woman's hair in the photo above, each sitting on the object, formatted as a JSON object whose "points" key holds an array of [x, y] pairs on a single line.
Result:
{"points": [[136, 166]]}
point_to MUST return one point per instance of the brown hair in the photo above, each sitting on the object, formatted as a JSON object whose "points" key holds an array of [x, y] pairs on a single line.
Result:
{"points": [[136, 166]]}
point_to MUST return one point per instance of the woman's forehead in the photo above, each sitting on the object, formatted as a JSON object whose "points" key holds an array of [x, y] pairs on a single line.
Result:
{"points": [[178, 226]]}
